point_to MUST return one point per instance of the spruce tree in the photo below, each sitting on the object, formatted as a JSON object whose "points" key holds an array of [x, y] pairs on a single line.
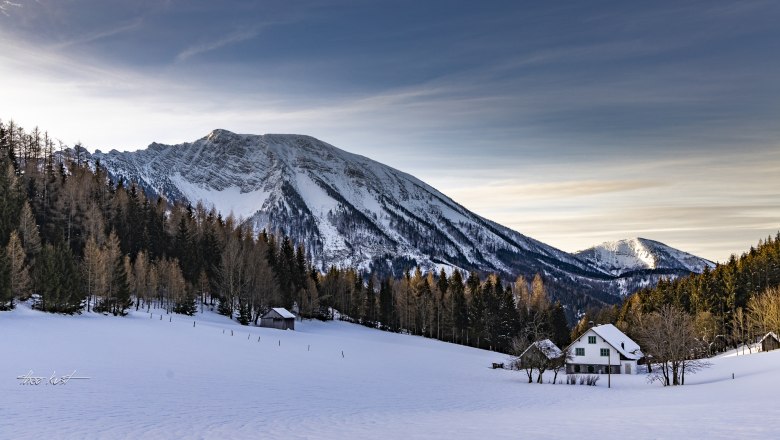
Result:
{"points": [[58, 281], [386, 305], [559, 327], [6, 296], [460, 308]]}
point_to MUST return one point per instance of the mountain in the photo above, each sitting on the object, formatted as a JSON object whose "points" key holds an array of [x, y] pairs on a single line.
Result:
{"points": [[349, 210], [624, 257]]}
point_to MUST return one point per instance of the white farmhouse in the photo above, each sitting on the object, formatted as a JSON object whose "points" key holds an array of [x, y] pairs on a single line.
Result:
{"points": [[602, 346]]}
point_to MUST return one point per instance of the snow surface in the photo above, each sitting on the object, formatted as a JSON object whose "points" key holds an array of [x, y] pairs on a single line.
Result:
{"points": [[155, 379]]}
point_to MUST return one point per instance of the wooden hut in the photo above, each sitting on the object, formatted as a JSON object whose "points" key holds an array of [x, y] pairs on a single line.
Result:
{"points": [[770, 342], [279, 318], [544, 350]]}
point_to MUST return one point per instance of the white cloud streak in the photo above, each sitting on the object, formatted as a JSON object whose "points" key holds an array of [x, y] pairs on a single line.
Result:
{"points": [[99, 35], [232, 38]]}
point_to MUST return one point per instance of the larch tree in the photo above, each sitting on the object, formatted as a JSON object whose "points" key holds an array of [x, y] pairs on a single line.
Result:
{"points": [[19, 272], [28, 230]]}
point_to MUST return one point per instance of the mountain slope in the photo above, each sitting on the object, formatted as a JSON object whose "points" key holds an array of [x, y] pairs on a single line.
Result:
{"points": [[640, 254], [349, 210]]}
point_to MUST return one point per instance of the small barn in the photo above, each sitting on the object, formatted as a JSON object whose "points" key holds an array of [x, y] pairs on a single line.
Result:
{"points": [[770, 342], [544, 350], [278, 317]]}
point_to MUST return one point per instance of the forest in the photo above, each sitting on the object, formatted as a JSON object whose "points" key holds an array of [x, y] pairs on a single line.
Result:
{"points": [[735, 303], [73, 241]]}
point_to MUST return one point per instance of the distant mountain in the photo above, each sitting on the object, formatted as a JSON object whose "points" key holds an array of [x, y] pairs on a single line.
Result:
{"points": [[349, 210], [633, 255]]}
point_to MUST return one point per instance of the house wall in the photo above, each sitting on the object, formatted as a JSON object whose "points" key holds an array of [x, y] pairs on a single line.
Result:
{"points": [[769, 344], [279, 323], [593, 356]]}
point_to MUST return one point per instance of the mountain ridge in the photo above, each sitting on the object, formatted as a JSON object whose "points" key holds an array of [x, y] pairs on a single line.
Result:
{"points": [[347, 209], [641, 254]]}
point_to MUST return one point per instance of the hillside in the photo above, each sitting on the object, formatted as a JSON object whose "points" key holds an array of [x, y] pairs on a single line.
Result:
{"points": [[348, 210], [351, 211], [180, 381]]}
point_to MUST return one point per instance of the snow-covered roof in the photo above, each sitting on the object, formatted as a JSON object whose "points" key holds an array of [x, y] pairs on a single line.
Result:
{"points": [[772, 334], [284, 313], [547, 347], [617, 339]]}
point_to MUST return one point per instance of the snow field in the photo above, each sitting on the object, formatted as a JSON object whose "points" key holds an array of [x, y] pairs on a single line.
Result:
{"points": [[151, 378]]}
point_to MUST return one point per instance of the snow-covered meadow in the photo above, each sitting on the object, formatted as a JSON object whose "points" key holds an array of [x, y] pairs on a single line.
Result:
{"points": [[151, 378]]}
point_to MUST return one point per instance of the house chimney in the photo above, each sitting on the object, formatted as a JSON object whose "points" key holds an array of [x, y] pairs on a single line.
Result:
{"points": [[590, 324]]}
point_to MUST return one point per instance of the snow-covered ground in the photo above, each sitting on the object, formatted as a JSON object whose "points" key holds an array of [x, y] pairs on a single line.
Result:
{"points": [[151, 378]]}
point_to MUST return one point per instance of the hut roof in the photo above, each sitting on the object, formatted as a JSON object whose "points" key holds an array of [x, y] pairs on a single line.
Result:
{"points": [[281, 311], [547, 347], [772, 334]]}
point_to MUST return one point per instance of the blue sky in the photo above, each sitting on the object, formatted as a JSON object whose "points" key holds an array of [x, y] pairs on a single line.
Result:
{"points": [[572, 122]]}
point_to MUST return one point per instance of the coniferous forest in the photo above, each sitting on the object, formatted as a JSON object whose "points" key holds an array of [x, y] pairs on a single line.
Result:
{"points": [[72, 241], [735, 303]]}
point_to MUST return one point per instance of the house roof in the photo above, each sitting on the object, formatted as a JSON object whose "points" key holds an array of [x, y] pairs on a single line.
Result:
{"points": [[772, 334], [547, 347], [284, 313], [618, 340]]}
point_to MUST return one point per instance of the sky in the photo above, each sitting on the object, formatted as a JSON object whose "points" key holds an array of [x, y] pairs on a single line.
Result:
{"points": [[571, 122]]}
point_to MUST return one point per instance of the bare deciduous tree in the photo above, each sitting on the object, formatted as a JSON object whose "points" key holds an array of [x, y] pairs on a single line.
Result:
{"points": [[668, 339]]}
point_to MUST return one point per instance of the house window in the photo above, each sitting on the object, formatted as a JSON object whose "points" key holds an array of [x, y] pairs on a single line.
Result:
{"points": [[591, 339], [579, 351], [605, 351]]}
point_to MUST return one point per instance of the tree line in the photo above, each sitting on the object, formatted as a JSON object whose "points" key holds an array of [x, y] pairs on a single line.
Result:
{"points": [[74, 240], [732, 305]]}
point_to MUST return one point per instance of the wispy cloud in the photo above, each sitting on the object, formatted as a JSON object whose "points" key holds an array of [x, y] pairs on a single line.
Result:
{"points": [[7, 5], [99, 35], [232, 38]]}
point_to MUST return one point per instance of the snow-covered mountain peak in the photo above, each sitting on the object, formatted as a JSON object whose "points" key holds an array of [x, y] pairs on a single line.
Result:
{"points": [[637, 254], [346, 209], [349, 210]]}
